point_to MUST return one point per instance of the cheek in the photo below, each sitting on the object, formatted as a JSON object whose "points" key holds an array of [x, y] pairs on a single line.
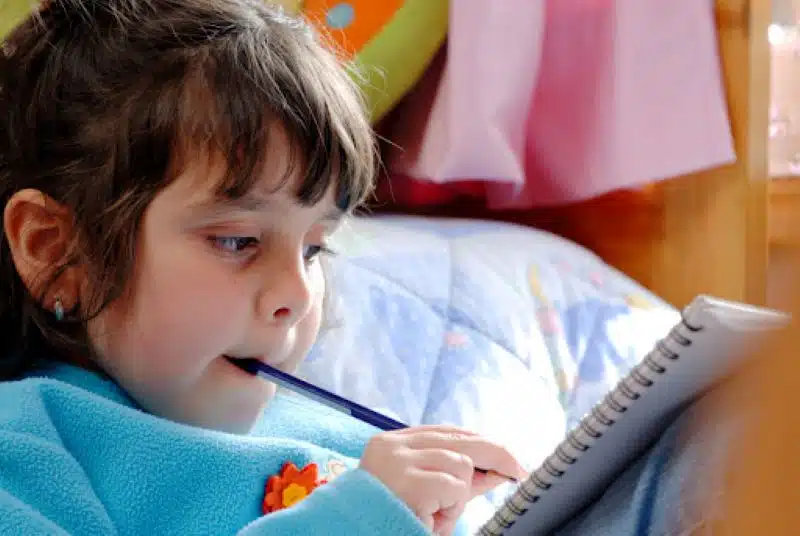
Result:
{"points": [[311, 323], [308, 328], [185, 310], [195, 309]]}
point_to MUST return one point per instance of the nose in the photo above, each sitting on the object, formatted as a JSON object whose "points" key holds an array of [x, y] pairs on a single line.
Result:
{"points": [[286, 295]]}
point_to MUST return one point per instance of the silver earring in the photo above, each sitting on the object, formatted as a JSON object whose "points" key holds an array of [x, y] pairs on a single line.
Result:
{"points": [[58, 309]]}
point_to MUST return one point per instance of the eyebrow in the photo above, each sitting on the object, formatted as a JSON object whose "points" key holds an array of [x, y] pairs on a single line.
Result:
{"points": [[217, 207]]}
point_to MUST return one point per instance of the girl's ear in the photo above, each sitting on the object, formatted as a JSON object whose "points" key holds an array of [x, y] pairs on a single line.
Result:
{"points": [[39, 232]]}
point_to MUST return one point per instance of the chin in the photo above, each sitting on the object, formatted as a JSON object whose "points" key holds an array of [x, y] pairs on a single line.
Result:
{"points": [[239, 419], [237, 427], [229, 410], [241, 416], [230, 400]]}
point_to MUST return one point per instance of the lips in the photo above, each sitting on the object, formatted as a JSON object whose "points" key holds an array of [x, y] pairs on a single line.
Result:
{"points": [[247, 364]]}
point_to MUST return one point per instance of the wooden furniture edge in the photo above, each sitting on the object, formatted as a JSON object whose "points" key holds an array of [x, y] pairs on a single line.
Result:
{"points": [[716, 221], [784, 212]]}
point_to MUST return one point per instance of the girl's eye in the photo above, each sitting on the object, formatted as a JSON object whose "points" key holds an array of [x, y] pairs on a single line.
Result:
{"points": [[234, 244], [311, 252]]}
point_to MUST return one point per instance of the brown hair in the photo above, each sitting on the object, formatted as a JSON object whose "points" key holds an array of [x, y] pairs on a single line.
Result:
{"points": [[100, 98]]}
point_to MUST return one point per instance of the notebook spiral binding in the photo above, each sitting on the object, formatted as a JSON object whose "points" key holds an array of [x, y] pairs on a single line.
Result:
{"points": [[592, 427]]}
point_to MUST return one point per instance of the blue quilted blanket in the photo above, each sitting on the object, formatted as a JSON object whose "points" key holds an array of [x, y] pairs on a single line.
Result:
{"points": [[503, 329]]}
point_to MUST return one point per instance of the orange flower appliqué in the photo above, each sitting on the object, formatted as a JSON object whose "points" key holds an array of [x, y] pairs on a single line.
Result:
{"points": [[290, 486]]}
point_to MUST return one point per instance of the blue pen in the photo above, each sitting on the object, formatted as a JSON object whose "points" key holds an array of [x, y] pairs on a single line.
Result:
{"points": [[320, 395], [331, 400]]}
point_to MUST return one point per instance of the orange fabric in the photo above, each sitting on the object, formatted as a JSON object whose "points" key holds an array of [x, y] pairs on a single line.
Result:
{"points": [[370, 17], [290, 486]]}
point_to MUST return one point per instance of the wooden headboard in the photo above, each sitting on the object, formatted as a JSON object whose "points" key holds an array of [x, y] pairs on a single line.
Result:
{"points": [[700, 233]]}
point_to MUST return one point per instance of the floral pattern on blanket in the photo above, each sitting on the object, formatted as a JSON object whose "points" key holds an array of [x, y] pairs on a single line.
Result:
{"points": [[509, 331]]}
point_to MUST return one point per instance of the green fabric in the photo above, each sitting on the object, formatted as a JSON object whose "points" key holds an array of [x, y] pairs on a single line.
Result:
{"points": [[394, 60], [11, 12]]}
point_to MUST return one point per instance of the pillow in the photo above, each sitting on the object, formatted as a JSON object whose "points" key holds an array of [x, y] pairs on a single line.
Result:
{"points": [[11, 12], [460, 321], [509, 331], [392, 41]]}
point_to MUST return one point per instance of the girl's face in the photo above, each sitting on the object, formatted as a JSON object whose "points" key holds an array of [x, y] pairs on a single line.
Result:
{"points": [[215, 280]]}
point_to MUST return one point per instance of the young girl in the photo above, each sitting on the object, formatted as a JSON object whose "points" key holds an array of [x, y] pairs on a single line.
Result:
{"points": [[169, 173]]}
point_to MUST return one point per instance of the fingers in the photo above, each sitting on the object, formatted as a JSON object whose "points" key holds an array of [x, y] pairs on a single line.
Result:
{"points": [[447, 461], [481, 483], [442, 428], [437, 491], [481, 451], [432, 469], [449, 471], [444, 521]]}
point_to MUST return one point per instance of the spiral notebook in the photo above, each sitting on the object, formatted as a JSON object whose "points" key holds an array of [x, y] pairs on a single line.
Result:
{"points": [[712, 338]]}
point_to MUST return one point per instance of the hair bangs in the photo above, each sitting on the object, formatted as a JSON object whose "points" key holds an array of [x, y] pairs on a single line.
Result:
{"points": [[239, 94]]}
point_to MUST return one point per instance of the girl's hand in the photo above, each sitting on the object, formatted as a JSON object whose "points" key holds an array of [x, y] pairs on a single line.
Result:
{"points": [[432, 469]]}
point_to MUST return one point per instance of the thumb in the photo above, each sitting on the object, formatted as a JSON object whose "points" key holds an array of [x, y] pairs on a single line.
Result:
{"points": [[481, 483]]}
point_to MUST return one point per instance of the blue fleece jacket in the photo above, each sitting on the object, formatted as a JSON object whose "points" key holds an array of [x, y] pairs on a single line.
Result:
{"points": [[77, 456]]}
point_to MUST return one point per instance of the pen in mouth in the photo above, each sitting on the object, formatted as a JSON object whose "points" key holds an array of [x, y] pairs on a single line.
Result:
{"points": [[246, 364]]}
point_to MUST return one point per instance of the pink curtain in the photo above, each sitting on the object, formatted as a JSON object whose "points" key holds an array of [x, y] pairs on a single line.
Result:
{"points": [[551, 101]]}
